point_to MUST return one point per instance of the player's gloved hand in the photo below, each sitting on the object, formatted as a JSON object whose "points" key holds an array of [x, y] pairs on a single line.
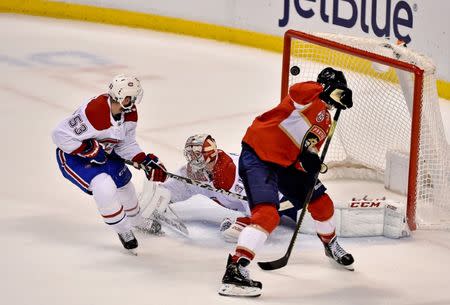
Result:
{"points": [[337, 95], [157, 170], [310, 161], [94, 151]]}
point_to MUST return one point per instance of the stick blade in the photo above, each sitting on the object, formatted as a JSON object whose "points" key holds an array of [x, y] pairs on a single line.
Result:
{"points": [[174, 224], [277, 264]]}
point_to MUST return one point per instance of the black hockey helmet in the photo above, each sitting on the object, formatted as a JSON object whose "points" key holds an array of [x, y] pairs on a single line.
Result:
{"points": [[330, 75]]}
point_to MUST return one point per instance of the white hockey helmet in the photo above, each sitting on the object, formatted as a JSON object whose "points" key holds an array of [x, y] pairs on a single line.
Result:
{"points": [[200, 150], [123, 86]]}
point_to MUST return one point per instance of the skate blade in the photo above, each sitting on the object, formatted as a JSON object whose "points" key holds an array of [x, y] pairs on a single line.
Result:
{"points": [[348, 267], [232, 290], [132, 252], [160, 233]]}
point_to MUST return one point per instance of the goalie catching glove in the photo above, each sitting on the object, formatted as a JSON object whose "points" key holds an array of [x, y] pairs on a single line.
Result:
{"points": [[155, 170]]}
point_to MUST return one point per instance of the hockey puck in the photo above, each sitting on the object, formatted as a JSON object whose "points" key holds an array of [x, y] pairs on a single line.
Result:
{"points": [[295, 70]]}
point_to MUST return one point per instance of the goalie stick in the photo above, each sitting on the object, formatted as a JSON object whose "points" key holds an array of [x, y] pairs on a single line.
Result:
{"points": [[190, 181], [281, 262], [173, 223]]}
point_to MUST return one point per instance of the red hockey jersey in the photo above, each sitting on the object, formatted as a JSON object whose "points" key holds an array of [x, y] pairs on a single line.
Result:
{"points": [[300, 120]]}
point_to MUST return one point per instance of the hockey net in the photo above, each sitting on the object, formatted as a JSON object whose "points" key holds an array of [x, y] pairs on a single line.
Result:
{"points": [[396, 110]]}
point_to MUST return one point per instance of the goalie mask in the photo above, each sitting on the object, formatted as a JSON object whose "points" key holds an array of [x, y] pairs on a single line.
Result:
{"points": [[123, 86], [201, 151]]}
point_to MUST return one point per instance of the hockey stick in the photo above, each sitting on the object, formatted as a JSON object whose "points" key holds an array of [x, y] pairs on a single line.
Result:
{"points": [[190, 181], [281, 262], [173, 223]]}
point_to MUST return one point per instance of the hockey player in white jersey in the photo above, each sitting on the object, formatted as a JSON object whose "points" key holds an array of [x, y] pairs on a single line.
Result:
{"points": [[92, 144]]}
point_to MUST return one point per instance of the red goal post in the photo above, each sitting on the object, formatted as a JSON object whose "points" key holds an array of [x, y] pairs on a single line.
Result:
{"points": [[395, 110]]}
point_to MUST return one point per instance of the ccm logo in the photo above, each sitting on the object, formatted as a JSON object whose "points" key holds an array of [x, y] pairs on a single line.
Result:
{"points": [[345, 13], [365, 204]]}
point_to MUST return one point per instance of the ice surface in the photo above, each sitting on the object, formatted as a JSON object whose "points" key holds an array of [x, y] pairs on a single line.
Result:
{"points": [[55, 248]]}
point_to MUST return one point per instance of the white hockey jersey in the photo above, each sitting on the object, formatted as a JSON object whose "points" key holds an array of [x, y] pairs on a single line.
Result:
{"points": [[224, 175], [94, 120]]}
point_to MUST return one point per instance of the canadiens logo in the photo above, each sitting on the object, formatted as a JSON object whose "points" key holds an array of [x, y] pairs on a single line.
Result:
{"points": [[321, 116]]}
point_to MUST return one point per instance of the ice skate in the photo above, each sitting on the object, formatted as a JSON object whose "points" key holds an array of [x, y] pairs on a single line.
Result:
{"points": [[129, 242], [334, 251], [236, 281]]}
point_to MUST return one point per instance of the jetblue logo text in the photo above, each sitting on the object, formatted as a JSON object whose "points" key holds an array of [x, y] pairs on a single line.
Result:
{"points": [[397, 17]]}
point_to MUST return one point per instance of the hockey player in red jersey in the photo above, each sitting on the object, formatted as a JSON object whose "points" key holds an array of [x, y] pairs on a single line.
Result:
{"points": [[280, 154], [92, 144]]}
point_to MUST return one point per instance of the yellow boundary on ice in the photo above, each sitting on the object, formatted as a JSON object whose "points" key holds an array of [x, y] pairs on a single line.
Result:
{"points": [[158, 23]]}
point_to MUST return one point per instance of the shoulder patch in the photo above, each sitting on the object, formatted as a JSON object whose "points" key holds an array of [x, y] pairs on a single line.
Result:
{"points": [[314, 135], [98, 112], [321, 116]]}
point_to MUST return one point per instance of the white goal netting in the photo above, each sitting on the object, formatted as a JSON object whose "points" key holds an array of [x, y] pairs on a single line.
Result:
{"points": [[386, 100]]}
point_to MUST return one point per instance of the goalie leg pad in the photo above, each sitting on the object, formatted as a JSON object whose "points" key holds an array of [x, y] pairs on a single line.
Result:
{"points": [[153, 197], [321, 208], [382, 217]]}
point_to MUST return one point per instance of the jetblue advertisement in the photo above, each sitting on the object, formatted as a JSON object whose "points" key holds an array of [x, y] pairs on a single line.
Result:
{"points": [[422, 24], [380, 18]]}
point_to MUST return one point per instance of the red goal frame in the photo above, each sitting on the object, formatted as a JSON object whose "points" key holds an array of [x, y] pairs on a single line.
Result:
{"points": [[417, 99]]}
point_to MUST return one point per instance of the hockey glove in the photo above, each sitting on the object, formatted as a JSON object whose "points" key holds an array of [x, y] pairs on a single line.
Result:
{"points": [[310, 161], [94, 151], [157, 170], [337, 95]]}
